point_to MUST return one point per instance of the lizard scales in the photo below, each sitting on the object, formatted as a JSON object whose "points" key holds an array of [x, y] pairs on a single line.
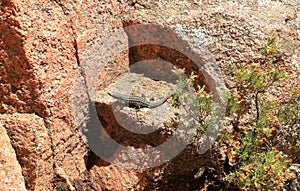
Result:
{"points": [[138, 101]]}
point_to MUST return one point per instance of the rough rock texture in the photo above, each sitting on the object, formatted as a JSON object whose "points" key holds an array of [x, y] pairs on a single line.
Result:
{"points": [[113, 177], [40, 46], [180, 58], [233, 31], [10, 169], [43, 43], [33, 148]]}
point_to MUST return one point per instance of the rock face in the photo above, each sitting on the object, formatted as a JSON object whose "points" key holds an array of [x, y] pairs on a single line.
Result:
{"points": [[10, 169], [32, 144], [42, 46]]}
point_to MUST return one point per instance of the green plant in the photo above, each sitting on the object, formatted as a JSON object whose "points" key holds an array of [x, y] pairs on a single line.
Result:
{"points": [[175, 100], [255, 163], [196, 103], [289, 113], [254, 80], [262, 171]]}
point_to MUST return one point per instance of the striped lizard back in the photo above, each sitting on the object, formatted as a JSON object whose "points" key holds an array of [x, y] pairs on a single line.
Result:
{"points": [[138, 101]]}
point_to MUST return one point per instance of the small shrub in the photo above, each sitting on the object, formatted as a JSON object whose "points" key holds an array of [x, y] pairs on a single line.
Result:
{"points": [[255, 163], [262, 171], [196, 103]]}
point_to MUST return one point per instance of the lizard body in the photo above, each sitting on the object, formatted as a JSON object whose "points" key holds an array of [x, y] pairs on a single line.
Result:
{"points": [[138, 101]]}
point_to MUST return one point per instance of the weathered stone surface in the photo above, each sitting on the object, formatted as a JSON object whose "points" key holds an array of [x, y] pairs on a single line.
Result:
{"points": [[233, 31], [113, 177], [121, 126], [42, 44], [32, 144], [10, 170]]}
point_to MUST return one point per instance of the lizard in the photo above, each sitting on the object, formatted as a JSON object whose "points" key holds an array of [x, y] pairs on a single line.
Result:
{"points": [[139, 101]]}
